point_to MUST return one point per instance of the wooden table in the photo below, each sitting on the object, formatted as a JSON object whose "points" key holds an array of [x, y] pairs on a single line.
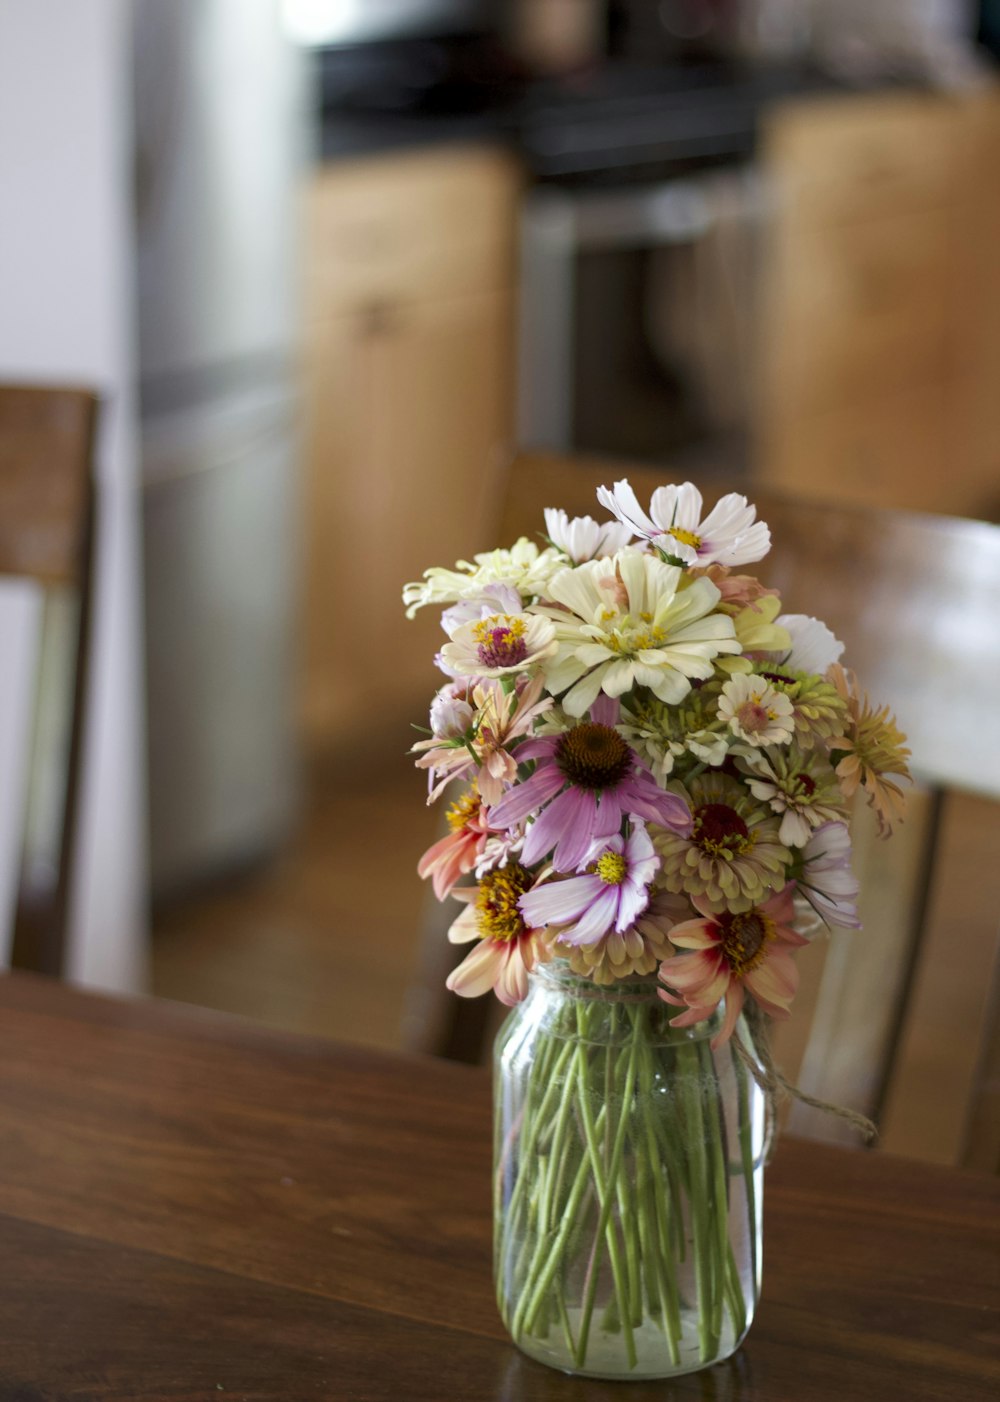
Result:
{"points": [[193, 1207]]}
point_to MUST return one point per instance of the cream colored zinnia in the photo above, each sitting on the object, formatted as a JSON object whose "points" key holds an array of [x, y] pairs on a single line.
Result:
{"points": [[626, 621], [524, 567], [756, 712]]}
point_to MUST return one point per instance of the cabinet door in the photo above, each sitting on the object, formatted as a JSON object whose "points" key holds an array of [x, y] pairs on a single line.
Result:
{"points": [[876, 303], [409, 408]]}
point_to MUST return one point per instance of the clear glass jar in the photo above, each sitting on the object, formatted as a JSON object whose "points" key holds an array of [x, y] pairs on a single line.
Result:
{"points": [[628, 1181]]}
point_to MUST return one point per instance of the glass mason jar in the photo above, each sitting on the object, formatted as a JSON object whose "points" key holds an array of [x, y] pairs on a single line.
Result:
{"points": [[627, 1184]]}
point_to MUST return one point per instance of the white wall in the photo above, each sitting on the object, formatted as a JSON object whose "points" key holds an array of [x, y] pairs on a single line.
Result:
{"points": [[66, 314]]}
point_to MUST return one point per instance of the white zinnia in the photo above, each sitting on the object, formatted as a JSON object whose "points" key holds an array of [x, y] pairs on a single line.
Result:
{"points": [[627, 625], [755, 711], [499, 644], [524, 567], [583, 538], [729, 535], [814, 647]]}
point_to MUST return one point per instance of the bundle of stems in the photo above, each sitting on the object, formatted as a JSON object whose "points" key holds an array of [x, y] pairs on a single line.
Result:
{"points": [[628, 1163]]}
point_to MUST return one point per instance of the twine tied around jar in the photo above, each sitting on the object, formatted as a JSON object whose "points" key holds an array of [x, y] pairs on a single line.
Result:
{"points": [[776, 1087]]}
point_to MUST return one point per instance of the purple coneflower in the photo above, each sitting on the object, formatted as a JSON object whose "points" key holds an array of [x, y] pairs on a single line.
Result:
{"points": [[586, 780]]}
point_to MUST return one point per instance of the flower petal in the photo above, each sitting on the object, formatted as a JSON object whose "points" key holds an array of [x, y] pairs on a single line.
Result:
{"points": [[477, 971], [596, 921], [556, 902]]}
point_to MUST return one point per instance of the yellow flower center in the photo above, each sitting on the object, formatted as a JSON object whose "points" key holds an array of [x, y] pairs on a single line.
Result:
{"points": [[463, 809], [501, 640], [627, 639], [611, 867], [496, 904], [685, 537], [745, 939]]}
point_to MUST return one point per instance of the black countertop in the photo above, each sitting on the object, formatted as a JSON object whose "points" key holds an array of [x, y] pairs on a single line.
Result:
{"points": [[610, 125]]}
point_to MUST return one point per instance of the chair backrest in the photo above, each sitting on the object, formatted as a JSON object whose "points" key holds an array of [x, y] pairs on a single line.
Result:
{"points": [[46, 544], [904, 1010]]}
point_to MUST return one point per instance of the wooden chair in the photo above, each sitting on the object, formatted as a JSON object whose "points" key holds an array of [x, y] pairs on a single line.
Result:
{"points": [[46, 546], [902, 1017]]}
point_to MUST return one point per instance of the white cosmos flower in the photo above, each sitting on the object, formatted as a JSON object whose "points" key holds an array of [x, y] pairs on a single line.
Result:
{"points": [[729, 535], [498, 644], [524, 567], [624, 623], [802, 787], [583, 538], [755, 711], [814, 647]]}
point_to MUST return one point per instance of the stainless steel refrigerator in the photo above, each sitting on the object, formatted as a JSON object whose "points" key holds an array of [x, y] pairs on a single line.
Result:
{"points": [[222, 138]]}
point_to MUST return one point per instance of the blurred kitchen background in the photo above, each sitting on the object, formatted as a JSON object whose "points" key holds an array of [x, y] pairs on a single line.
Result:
{"points": [[328, 262]]}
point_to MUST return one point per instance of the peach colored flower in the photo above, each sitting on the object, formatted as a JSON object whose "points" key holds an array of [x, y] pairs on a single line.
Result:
{"points": [[508, 947], [737, 591], [733, 954], [870, 749], [457, 853], [484, 752]]}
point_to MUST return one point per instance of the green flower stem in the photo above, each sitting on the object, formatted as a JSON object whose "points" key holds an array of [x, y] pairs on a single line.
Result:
{"points": [[547, 1069], [698, 1188], [746, 1150], [656, 1225], [719, 1201], [564, 1321], [734, 1294], [540, 1276], [615, 1156], [605, 1194]]}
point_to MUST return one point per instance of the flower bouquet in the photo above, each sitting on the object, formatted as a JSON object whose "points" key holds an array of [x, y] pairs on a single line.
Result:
{"points": [[650, 766]]}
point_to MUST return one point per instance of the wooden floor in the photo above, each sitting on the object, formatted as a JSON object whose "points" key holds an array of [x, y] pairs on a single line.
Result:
{"points": [[321, 939]]}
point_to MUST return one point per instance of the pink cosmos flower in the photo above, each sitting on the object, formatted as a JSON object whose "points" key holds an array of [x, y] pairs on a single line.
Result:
{"points": [[733, 954], [455, 855], [586, 780], [509, 946], [826, 880], [611, 891]]}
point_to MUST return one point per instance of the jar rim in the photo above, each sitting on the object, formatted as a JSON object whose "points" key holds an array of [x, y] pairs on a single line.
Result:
{"points": [[640, 990], [637, 988]]}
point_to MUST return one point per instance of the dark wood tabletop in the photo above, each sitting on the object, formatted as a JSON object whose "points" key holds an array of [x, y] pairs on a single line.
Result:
{"points": [[195, 1207]]}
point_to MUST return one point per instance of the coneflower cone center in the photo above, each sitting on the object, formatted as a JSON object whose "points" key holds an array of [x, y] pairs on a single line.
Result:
{"points": [[593, 756], [496, 904], [745, 939], [720, 831]]}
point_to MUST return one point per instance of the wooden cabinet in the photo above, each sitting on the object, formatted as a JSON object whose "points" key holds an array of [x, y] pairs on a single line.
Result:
{"points": [[410, 290], [881, 303]]}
